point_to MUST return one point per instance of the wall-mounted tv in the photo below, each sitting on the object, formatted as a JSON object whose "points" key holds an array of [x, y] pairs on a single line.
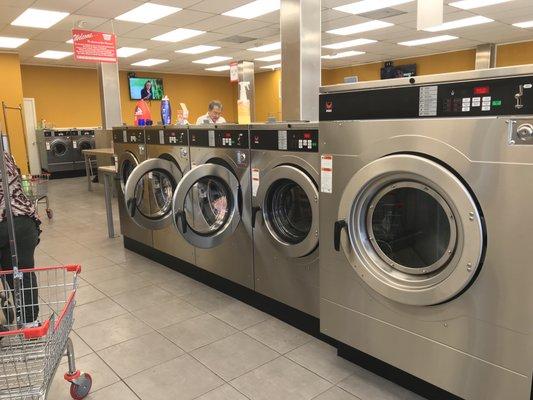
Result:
{"points": [[146, 88], [390, 71]]}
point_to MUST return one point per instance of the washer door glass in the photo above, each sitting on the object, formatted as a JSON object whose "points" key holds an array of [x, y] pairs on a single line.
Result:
{"points": [[84, 145], [59, 149], [212, 203], [126, 168], [288, 210]]}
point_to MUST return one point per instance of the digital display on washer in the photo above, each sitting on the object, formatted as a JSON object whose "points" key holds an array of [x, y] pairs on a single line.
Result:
{"points": [[128, 135], [488, 97], [305, 140], [231, 139], [165, 136]]}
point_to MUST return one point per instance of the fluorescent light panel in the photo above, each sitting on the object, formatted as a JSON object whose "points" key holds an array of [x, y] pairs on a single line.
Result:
{"points": [[36, 18], [272, 66], [149, 62], [254, 9], [363, 27], [198, 49], [220, 68], [53, 54], [344, 54], [124, 52], [460, 23], [434, 39], [349, 43], [148, 12], [365, 6], [11, 42], [212, 60], [525, 24], [267, 47], [470, 4], [178, 35], [275, 57]]}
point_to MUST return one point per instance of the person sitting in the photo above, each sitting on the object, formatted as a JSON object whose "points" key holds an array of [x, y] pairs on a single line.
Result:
{"points": [[213, 115]]}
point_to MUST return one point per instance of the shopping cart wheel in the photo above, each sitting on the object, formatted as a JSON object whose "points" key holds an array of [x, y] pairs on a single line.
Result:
{"points": [[81, 388], [49, 213]]}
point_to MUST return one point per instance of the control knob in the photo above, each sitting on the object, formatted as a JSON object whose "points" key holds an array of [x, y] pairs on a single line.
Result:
{"points": [[525, 132]]}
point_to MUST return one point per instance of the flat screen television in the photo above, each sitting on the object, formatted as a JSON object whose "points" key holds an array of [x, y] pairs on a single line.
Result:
{"points": [[139, 88], [390, 71]]}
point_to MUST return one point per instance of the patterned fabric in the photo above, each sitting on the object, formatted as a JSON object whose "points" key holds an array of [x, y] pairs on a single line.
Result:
{"points": [[20, 204]]}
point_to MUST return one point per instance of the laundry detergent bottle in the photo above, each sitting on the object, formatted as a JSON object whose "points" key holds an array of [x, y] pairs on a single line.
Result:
{"points": [[166, 111]]}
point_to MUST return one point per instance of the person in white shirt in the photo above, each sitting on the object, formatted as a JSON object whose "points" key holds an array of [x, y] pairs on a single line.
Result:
{"points": [[213, 115]]}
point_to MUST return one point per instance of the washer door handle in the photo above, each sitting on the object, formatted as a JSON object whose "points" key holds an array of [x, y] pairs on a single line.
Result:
{"points": [[132, 207], [180, 216], [255, 210], [339, 226]]}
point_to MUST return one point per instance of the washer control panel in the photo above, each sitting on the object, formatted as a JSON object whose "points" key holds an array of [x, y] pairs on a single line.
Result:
{"points": [[167, 136], [128, 135], [230, 139], [304, 141]]}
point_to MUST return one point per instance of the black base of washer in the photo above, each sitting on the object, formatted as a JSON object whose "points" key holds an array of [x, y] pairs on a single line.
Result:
{"points": [[67, 174], [294, 317]]}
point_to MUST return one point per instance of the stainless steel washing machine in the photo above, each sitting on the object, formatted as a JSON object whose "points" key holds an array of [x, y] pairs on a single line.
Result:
{"points": [[425, 227], [167, 161], [211, 204], [130, 148], [55, 149], [83, 141], [285, 175]]}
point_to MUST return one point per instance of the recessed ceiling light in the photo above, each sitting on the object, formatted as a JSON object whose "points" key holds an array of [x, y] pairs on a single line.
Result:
{"points": [[275, 57], [149, 62], [470, 4], [124, 52], [358, 28], [254, 9], [220, 68], [178, 35], [365, 6], [53, 54], [344, 54], [198, 49], [273, 66], [148, 12], [35, 18], [11, 42], [212, 60], [525, 24], [434, 39], [267, 47], [349, 43], [460, 23]]}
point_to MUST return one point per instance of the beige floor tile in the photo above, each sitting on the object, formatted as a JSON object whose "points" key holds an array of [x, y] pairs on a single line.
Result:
{"points": [[183, 378], [88, 294], [225, 392], [105, 274], [281, 379], [336, 393], [366, 385], [122, 284], [278, 335], [80, 347], [113, 331], [197, 332], [235, 355], [240, 315], [96, 311], [136, 355], [206, 298], [181, 285], [117, 391], [322, 359], [147, 296], [159, 316]]}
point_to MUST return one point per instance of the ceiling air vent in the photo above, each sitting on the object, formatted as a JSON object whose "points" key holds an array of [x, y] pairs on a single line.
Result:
{"points": [[383, 13], [238, 39]]}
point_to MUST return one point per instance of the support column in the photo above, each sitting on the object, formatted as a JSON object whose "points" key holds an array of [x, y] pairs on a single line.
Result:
{"points": [[108, 80], [300, 55], [486, 56]]}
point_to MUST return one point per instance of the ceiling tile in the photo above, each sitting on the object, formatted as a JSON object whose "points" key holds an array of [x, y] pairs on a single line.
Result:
{"points": [[183, 18], [218, 7], [109, 9], [60, 5]]}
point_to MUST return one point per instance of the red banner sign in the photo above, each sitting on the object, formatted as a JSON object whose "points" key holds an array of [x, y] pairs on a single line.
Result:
{"points": [[92, 46]]}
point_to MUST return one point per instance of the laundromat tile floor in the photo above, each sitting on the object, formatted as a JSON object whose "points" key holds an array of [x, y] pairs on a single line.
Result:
{"points": [[145, 332]]}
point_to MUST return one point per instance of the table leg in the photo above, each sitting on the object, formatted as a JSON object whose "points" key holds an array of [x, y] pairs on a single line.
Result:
{"points": [[88, 171], [108, 190]]}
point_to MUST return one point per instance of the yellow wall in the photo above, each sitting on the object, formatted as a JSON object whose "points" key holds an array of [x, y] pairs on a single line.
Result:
{"points": [[63, 96], [515, 54], [11, 94], [195, 91], [267, 101]]}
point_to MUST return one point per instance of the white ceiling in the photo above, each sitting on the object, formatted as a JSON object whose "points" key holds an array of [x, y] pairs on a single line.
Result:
{"points": [[206, 15]]}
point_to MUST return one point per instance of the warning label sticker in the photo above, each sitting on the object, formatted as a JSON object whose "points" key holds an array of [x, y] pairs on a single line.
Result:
{"points": [[255, 181], [326, 173]]}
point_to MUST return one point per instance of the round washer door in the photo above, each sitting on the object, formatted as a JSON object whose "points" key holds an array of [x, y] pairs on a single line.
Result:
{"points": [[85, 144], [149, 190], [206, 205], [127, 162], [415, 233], [289, 206], [59, 148]]}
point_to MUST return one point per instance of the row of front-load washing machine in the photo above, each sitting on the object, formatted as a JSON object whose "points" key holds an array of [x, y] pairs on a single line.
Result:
{"points": [[424, 272]]}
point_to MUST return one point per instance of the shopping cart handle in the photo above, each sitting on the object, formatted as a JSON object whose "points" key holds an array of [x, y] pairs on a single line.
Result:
{"points": [[255, 210], [132, 206], [180, 216], [339, 226]]}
